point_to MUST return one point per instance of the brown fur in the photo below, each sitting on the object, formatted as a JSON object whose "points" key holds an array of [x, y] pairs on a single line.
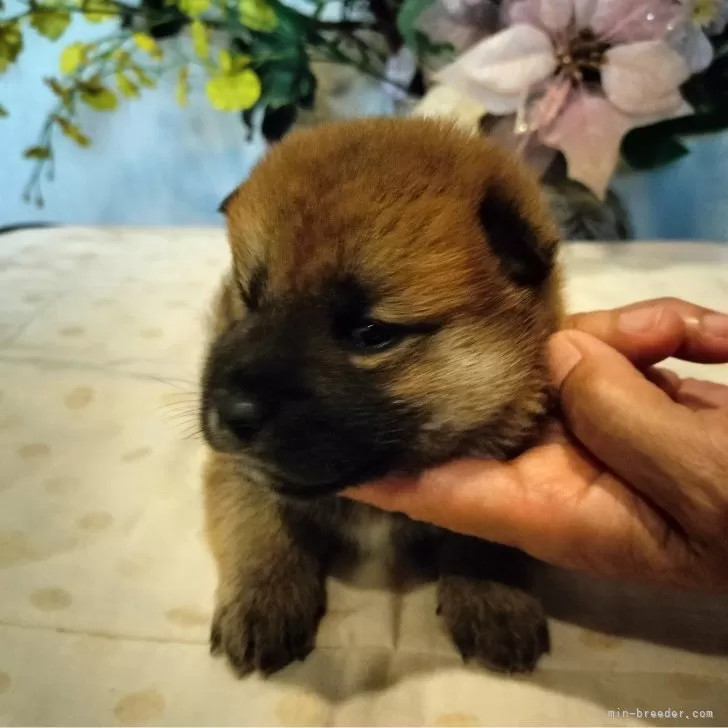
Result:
{"points": [[394, 204]]}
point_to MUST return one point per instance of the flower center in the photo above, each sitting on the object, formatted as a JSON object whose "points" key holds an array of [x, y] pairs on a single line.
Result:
{"points": [[581, 57], [705, 11]]}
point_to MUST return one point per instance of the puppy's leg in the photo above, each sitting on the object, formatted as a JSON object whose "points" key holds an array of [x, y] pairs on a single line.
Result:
{"points": [[482, 599], [271, 593]]}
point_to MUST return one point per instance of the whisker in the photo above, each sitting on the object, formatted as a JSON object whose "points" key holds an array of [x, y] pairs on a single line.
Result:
{"points": [[176, 416], [176, 382]]}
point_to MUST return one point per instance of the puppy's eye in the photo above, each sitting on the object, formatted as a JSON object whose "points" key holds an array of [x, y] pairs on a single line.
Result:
{"points": [[373, 335]]}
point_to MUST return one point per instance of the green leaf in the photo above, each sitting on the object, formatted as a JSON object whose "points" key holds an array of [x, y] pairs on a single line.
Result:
{"points": [[277, 122], [423, 45], [37, 153], [409, 12], [11, 43], [246, 115], [3, 112], [257, 15], [49, 22], [72, 131], [711, 122], [307, 90], [280, 84], [647, 151], [287, 83], [193, 8], [98, 11]]}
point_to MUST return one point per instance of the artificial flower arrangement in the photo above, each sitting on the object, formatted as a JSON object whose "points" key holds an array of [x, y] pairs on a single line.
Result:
{"points": [[593, 79]]}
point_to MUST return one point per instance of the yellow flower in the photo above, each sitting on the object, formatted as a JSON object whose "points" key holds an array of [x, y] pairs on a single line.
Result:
{"points": [[234, 92], [72, 57], [50, 23], [146, 43], [127, 87], [229, 64], [705, 11], [257, 15], [226, 62], [183, 86], [199, 39]]}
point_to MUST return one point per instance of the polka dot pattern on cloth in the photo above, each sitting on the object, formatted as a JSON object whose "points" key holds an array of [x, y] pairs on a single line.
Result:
{"points": [[106, 580]]}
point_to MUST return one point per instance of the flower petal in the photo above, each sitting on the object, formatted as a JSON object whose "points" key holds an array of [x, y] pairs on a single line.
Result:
{"points": [[630, 21], [499, 70], [589, 132], [553, 15], [445, 101], [502, 130], [644, 78], [584, 11], [549, 105], [690, 42]]}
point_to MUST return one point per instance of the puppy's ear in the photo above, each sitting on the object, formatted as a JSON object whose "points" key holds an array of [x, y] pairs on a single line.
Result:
{"points": [[524, 251], [222, 209]]}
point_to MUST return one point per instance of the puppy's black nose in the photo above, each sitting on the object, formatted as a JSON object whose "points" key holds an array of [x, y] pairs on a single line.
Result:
{"points": [[240, 413]]}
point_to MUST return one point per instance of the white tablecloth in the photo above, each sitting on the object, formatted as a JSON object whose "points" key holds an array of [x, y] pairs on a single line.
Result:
{"points": [[105, 583]]}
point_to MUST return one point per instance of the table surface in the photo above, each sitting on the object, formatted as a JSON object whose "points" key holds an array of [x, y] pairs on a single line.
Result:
{"points": [[105, 582]]}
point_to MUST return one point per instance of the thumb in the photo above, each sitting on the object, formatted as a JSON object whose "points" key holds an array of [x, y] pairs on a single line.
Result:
{"points": [[623, 419]]}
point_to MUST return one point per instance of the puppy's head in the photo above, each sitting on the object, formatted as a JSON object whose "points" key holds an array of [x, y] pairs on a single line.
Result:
{"points": [[393, 286]]}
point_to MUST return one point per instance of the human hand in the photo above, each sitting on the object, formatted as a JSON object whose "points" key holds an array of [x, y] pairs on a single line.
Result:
{"points": [[633, 483]]}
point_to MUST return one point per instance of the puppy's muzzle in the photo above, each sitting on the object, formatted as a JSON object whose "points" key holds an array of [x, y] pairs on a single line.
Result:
{"points": [[236, 414]]}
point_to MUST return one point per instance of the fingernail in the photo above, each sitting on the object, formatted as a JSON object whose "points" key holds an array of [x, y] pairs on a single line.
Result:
{"points": [[715, 324], [640, 320], [563, 356]]}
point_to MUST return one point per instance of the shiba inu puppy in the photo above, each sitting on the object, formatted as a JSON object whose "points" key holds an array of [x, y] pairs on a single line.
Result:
{"points": [[393, 286]]}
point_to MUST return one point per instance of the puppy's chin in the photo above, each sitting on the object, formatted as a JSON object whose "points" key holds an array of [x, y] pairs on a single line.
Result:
{"points": [[294, 486]]}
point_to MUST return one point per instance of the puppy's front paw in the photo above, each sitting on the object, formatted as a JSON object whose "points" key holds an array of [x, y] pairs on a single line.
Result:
{"points": [[266, 628], [500, 626]]}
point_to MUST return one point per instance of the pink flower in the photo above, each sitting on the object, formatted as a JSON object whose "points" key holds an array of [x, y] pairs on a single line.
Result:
{"points": [[580, 74]]}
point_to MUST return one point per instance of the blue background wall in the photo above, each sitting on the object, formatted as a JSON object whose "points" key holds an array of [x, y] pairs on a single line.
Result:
{"points": [[153, 163]]}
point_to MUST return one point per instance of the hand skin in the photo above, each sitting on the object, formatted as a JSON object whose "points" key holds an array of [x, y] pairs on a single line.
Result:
{"points": [[631, 483]]}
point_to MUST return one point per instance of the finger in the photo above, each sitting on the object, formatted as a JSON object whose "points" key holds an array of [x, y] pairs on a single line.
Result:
{"points": [[650, 331], [632, 426], [665, 379], [501, 502], [698, 394], [554, 503]]}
